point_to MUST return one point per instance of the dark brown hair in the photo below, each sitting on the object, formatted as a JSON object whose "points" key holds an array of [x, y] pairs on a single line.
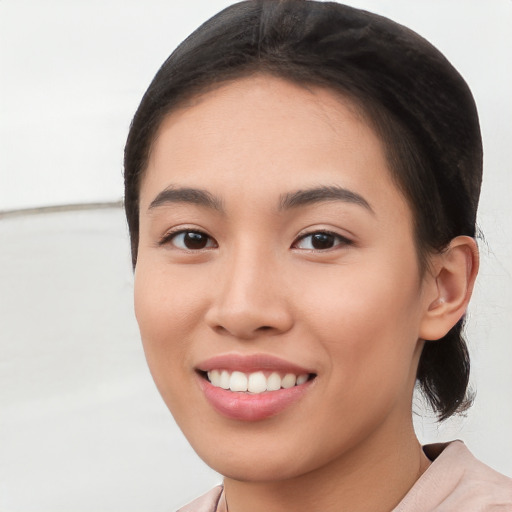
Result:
{"points": [[410, 94]]}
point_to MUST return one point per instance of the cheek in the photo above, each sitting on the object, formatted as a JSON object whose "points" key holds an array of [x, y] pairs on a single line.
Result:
{"points": [[367, 320], [167, 315], [166, 308]]}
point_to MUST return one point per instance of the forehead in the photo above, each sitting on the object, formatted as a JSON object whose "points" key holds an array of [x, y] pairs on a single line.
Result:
{"points": [[262, 98], [264, 134]]}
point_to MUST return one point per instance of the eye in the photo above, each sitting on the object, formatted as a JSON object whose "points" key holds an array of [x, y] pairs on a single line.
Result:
{"points": [[189, 240], [321, 241]]}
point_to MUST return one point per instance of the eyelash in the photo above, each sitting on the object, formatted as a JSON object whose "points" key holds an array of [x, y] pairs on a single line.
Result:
{"points": [[339, 240], [170, 236]]}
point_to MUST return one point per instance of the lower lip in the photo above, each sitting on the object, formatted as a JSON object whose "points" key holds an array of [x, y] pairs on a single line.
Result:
{"points": [[251, 407]]}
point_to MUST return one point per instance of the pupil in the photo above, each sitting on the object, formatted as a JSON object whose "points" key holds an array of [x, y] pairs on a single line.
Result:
{"points": [[322, 241], [195, 240]]}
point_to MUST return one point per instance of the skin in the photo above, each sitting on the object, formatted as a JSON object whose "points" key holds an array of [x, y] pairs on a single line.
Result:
{"points": [[356, 312]]}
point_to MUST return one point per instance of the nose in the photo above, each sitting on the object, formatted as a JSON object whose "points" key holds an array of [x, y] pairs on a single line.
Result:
{"points": [[250, 298]]}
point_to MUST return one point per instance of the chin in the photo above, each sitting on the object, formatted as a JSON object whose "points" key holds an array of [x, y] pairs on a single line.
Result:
{"points": [[267, 468], [260, 457]]}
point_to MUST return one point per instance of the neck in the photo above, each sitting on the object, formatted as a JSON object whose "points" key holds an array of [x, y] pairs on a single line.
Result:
{"points": [[372, 477]]}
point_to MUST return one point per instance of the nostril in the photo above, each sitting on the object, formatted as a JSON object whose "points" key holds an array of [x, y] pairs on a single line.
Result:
{"points": [[247, 322]]}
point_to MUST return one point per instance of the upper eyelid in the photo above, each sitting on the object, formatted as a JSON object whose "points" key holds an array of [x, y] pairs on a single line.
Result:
{"points": [[170, 233], [303, 235], [343, 242]]}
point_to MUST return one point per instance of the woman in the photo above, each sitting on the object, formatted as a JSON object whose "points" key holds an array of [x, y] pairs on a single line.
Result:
{"points": [[301, 185]]}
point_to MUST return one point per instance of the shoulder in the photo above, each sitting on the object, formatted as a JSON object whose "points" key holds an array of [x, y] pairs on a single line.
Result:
{"points": [[206, 503], [456, 481], [480, 486]]}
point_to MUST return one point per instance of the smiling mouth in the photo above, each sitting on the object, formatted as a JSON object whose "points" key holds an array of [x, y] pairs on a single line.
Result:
{"points": [[253, 387], [254, 382]]}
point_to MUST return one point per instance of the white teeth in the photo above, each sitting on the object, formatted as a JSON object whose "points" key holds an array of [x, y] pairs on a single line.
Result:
{"points": [[254, 382], [274, 382], [238, 382], [214, 377], [224, 380], [302, 378], [288, 381], [257, 383]]}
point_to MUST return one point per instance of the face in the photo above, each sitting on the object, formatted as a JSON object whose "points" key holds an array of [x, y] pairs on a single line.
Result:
{"points": [[277, 260]]}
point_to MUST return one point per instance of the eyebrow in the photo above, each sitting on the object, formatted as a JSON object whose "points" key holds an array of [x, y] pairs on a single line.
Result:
{"points": [[320, 195], [195, 196], [287, 201]]}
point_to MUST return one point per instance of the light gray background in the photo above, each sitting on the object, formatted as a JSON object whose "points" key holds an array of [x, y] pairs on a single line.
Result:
{"points": [[81, 425]]}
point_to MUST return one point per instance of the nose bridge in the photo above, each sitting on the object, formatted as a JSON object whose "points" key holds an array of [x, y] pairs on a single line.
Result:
{"points": [[250, 298]]}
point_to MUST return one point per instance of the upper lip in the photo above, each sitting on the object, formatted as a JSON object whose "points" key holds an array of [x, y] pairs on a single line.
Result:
{"points": [[251, 363]]}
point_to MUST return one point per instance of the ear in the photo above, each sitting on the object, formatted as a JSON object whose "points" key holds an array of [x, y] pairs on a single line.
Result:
{"points": [[449, 287]]}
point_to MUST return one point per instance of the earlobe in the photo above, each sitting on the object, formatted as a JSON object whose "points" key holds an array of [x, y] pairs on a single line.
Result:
{"points": [[454, 274]]}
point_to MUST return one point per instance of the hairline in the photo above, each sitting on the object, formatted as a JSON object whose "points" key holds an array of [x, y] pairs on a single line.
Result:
{"points": [[372, 113]]}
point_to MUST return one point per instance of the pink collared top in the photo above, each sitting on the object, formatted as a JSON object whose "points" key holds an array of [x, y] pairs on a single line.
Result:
{"points": [[456, 481]]}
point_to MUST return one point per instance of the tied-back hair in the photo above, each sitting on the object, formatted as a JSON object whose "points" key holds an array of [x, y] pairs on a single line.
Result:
{"points": [[406, 90]]}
